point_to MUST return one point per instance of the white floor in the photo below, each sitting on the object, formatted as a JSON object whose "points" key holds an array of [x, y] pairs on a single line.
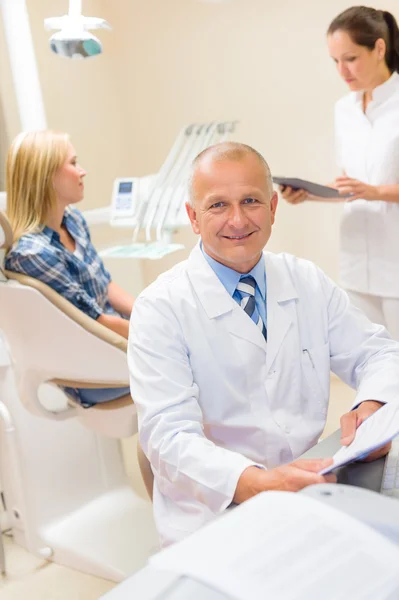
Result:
{"points": [[31, 578]]}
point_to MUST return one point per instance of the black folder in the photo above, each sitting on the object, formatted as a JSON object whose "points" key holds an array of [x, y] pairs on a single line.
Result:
{"points": [[312, 188]]}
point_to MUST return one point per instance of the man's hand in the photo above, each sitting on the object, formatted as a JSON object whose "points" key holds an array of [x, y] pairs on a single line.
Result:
{"points": [[287, 478], [350, 422]]}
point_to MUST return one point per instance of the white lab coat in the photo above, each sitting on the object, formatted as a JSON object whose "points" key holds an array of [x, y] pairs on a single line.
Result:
{"points": [[213, 397], [368, 150]]}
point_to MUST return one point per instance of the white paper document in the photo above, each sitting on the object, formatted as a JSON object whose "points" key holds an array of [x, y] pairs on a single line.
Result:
{"points": [[285, 546], [377, 430]]}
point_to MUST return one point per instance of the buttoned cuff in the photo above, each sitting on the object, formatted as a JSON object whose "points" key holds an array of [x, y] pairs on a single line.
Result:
{"points": [[242, 464]]}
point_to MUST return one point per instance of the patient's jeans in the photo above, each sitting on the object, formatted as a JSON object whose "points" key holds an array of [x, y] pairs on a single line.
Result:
{"points": [[90, 397]]}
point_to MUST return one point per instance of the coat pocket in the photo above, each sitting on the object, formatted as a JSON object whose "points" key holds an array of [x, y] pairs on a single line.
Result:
{"points": [[315, 366]]}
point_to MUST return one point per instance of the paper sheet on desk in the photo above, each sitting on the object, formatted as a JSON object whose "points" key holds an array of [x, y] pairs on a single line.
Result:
{"points": [[287, 546], [377, 430]]}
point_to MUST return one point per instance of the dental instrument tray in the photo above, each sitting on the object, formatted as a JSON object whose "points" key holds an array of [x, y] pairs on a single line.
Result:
{"points": [[154, 205]]}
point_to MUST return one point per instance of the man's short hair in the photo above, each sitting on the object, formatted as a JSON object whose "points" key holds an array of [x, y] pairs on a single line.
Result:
{"points": [[226, 151]]}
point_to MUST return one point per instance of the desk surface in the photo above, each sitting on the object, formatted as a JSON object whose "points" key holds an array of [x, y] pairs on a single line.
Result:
{"points": [[152, 584]]}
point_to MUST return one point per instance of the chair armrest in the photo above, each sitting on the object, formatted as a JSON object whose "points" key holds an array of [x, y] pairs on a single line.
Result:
{"points": [[88, 385]]}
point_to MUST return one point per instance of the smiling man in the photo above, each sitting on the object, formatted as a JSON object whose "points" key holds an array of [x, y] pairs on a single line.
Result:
{"points": [[230, 354], [232, 205]]}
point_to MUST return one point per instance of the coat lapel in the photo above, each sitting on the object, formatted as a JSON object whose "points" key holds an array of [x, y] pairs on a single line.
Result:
{"points": [[241, 325], [218, 303], [280, 291]]}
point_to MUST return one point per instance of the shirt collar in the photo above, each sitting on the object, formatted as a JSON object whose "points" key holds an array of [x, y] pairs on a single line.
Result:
{"points": [[381, 92], [51, 234], [230, 278]]}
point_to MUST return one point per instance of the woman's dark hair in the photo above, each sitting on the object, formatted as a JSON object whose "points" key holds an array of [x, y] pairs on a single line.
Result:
{"points": [[366, 25]]}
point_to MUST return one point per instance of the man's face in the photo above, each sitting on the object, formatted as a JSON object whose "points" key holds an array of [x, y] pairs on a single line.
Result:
{"points": [[233, 210]]}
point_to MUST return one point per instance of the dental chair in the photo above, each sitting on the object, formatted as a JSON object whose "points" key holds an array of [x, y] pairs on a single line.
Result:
{"points": [[66, 491]]}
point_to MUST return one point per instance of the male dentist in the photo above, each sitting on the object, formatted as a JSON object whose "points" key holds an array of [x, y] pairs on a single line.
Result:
{"points": [[230, 354]]}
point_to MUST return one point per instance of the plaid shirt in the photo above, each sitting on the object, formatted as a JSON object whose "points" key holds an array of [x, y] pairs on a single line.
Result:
{"points": [[80, 277]]}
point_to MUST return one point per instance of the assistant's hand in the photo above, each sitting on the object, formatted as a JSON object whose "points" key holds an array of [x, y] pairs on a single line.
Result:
{"points": [[293, 196], [357, 189], [351, 421], [287, 478]]}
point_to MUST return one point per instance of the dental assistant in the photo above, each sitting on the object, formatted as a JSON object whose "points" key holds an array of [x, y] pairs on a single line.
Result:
{"points": [[364, 44]]}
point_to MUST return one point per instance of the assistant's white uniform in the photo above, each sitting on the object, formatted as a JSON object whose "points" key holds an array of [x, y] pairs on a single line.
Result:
{"points": [[213, 397], [368, 150]]}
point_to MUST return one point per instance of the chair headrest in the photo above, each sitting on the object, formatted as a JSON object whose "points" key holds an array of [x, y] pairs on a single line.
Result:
{"points": [[6, 235]]}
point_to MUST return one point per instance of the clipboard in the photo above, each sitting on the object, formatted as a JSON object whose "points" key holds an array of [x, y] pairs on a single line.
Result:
{"points": [[312, 188]]}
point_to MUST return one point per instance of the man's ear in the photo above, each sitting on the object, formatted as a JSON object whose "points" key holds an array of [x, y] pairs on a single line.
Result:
{"points": [[192, 215], [273, 206]]}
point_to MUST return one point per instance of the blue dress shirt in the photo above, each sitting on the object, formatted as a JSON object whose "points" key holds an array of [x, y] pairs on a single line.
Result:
{"points": [[230, 278]]}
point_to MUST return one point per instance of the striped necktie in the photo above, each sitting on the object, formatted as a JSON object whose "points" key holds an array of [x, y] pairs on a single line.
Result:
{"points": [[246, 287]]}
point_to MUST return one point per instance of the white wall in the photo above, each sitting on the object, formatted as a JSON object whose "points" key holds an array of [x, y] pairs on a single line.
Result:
{"points": [[170, 62]]}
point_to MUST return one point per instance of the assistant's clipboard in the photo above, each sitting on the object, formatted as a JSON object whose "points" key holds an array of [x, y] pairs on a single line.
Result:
{"points": [[312, 188]]}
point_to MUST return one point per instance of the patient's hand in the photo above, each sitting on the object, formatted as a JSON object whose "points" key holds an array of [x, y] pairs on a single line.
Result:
{"points": [[289, 478]]}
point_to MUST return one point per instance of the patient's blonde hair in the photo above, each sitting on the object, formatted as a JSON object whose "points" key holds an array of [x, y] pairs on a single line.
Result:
{"points": [[32, 161]]}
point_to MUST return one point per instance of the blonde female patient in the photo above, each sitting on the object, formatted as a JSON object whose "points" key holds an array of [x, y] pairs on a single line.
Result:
{"points": [[44, 182]]}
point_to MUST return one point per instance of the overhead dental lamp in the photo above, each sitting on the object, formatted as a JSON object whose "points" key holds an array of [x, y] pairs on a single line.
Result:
{"points": [[74, 39]]}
